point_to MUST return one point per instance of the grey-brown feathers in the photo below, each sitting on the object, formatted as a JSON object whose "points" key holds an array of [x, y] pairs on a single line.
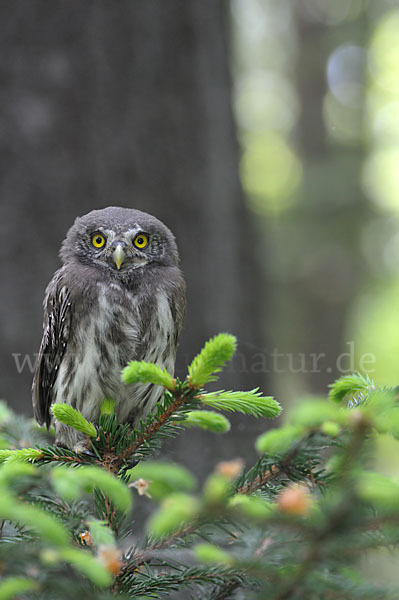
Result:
{"points": [[99, 316]]}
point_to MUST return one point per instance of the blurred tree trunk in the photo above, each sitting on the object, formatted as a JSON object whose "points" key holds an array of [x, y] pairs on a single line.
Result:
{"points": [[126, 103], [330, 216]]}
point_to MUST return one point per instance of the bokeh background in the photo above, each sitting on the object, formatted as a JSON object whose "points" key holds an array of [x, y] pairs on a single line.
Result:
{"points": [[264, 133]]}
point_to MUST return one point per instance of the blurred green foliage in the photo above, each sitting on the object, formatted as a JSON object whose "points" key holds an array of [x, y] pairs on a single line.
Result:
{"points": [[316, 102], [317, 107]]}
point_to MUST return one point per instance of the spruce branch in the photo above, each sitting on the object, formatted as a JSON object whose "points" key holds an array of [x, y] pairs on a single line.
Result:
{"points": [[181, 398], [353, 387], [226, 590], [299, 458], [260, 480], [144, 372], [216, 352], [12, 587], [163, 478], [285, 527], [114, 445], [64, 456], [337, 516], [44, 525], [28, 455], [250, 403], [71, 483], [68, 415], [143, 584], [107, 407], [206, 419]]}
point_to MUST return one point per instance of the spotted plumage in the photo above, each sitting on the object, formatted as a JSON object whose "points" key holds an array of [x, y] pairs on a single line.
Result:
{"points": [[119, 296]]}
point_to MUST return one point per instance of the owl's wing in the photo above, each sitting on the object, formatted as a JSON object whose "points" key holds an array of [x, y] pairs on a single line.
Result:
{"points": [[177, 303], [57, 322]]}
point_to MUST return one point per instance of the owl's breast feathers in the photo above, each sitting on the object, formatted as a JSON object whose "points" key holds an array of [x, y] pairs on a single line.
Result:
{"points": [[93, 327]]}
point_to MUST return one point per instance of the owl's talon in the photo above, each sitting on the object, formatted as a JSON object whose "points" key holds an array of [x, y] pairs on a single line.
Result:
{"points": [[87, 453], [81, 448], [129, 465]]}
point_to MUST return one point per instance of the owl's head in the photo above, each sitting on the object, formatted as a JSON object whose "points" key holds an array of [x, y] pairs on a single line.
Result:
{"points": [[120, 239]]}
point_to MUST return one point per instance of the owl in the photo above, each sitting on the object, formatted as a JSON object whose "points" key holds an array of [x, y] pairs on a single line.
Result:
{"points": [[119, 296]]}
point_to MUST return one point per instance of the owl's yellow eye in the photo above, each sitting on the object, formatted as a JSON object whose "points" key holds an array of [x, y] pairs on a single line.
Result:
{"points": [[98, 240], [140, 241]]}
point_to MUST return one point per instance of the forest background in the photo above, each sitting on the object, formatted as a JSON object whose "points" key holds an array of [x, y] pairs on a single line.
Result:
{"points": [[264, 133]]}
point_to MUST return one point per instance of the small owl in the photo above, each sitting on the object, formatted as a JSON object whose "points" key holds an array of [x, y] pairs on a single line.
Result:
{"points": [[119, 296]]}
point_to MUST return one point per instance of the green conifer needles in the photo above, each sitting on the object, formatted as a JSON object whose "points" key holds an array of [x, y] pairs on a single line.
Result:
{"points": [[311, 494], [101, 533], [250, 403], [215, 354], [175, 512], [24, 455], [73, 483], [161, 479], [11, 587], [107, 407], [279, 441], [143, 372], [206, 419], [212, 358], [43, 524], [88, 565], [350, 386], [209, 553], [74, 418]]}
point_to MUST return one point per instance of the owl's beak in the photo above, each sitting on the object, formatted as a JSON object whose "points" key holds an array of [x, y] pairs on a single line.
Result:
{"points": [[119, 256]]}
